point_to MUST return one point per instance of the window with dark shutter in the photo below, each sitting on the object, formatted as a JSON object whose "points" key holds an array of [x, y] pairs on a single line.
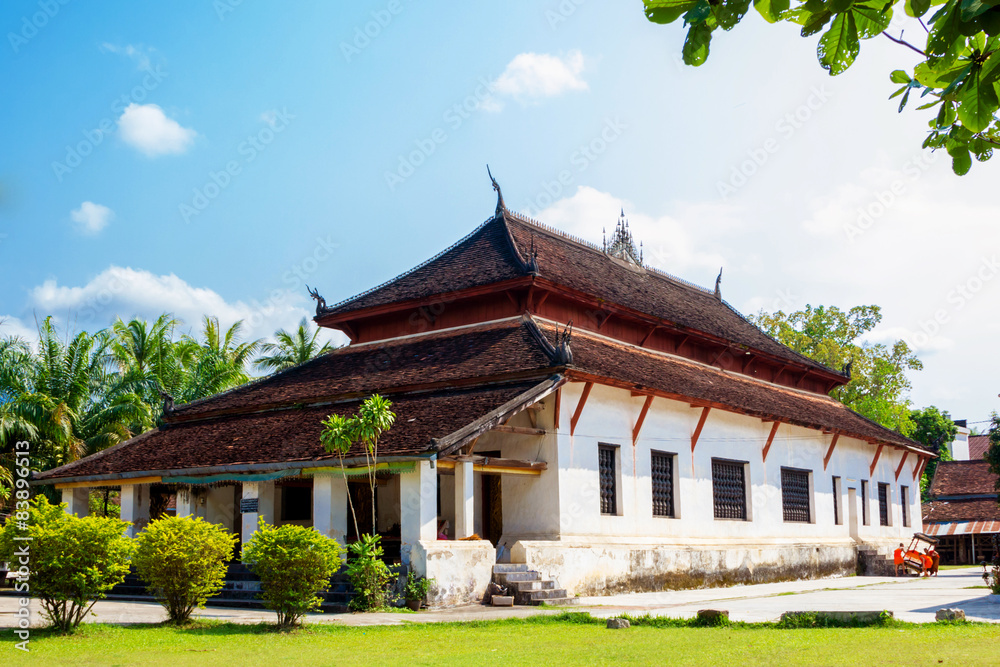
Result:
{"points": [[864, 502], [883, 504], [836, 500], [904, 500], [729, 489], [795, 495], [662, 473], [609, 479]]}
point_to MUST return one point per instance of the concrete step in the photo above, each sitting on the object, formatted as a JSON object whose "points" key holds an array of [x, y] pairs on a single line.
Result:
{"points": [[513, 577], [522, 586], [559, 602], [502, 568]]}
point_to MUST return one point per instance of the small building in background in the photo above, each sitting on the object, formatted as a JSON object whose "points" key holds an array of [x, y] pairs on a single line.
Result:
{"points": [[963, 511]]}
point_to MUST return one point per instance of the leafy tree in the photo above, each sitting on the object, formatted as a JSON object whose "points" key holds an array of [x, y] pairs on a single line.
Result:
{"points": [[74, 562], [293, 563], [993, 451], [184, 562], [291, 349], [340, 434], [368, 573], [959, 70], [878, 387], [936, 430]]}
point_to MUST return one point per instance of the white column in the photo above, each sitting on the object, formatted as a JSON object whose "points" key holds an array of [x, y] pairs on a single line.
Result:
{"points": [[330, 507], [465, 500], [263, 493], [135, 507], [77, 501], [185, 502], [417, 510]]}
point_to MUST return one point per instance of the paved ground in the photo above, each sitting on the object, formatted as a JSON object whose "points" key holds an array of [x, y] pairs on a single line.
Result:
{"points": [[910, 599]]}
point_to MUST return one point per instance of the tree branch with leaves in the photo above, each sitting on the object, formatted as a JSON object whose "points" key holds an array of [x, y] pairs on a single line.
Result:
{"points": [[959, 69]]}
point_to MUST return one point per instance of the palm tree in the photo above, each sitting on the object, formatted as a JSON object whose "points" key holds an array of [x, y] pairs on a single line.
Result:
{"points": [[291, 349], [217, 362]]}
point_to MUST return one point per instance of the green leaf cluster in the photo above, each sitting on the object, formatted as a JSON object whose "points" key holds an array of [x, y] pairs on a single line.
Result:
{"points": [[416, 587], [294, 563], [935, 429], [879, 386], [72, 562], [183, 561], [340, 434], [369, 575], [959, 72]]}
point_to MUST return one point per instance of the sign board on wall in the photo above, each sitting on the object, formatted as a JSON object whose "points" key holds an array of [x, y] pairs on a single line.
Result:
{"points": [[249, 505]]}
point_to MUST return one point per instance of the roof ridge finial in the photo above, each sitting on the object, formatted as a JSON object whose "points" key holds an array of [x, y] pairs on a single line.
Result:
{"points": [[718, 285], [501, 207]]}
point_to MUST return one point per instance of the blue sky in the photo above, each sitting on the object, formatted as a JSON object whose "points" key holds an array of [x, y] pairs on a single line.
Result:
{"points": [[251, 148]]}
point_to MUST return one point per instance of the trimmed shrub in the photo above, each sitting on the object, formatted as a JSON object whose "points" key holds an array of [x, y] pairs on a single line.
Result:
{"points": [[294, 563], [368, 574], [71, 562], [183, 560]]}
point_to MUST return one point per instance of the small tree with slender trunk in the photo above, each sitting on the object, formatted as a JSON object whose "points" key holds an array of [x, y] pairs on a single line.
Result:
{"points": [[374, 418]]}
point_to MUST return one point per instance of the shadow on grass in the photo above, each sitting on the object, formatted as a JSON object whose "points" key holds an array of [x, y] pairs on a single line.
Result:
{"points": [[212, 628]]}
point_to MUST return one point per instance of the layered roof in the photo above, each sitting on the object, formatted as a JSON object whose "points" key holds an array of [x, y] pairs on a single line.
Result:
{"points": [[640, 368], [978, 444], [954, 511], [509, 247], [447, 387], [963, 478]]}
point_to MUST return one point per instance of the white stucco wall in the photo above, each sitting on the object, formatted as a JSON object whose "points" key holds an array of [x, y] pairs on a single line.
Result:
{"points": [[565, 507]]}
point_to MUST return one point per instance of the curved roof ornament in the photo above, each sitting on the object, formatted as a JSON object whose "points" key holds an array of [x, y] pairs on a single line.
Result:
{"points": [[501, 207], [718, 285]]}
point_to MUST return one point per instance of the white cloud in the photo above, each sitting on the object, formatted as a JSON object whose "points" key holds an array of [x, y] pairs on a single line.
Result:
{"points": [[14, 327], [91, 218], [530, 77], [140, 54], [127, 292], [667, 243], [147, 128]]}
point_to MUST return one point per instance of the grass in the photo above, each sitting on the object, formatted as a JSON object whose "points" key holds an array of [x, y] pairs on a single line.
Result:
{"points": [[569, 638]]}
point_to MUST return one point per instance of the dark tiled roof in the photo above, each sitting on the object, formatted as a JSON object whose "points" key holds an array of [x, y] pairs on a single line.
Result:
{"points": [[940, 511], [587, 269], [954, 478], [606, 358], [486, 350], [289, 435], [483, 257], [978, 444], [487, 256]]}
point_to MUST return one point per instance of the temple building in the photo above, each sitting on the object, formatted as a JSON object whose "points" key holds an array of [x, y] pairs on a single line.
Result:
{"points": [[562, 405]]}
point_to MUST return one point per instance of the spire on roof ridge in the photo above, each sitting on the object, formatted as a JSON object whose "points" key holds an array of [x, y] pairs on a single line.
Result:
{"points": [[718, 285], [501, 207], [622, 245]]}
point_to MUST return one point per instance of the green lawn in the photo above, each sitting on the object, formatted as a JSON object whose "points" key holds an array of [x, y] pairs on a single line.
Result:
{"points": [[572, 639]]}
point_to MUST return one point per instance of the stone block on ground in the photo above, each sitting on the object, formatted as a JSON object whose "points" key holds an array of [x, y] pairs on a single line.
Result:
{"points": [[618, 624], [713, 615], [503, 601], [949, 615]]}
